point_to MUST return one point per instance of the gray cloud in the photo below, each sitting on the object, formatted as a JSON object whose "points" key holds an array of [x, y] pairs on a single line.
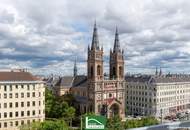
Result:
{"points": [[45, 36]]}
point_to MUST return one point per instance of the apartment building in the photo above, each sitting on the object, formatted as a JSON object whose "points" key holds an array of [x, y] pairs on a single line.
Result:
{"points": [[22, 99], [157, 95]]}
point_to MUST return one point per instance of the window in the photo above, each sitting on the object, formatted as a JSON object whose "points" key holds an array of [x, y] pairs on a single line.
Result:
{"points": [[91, 71], [33, 94], [28, 104], [5, 124], [39, 94], [22, 95], [28, 113], [114, 72], [22, 86], [22, 122], [16, 114], [10, 114], [22, 113], [11, 123], [5, 115], [11, 88], [110, 95], [39, 103], [22, 104], [10, 105], [16, 86], [33, 103], [10, 95], [33, 87], [28, 87], [16, 123], [5, 88], [98, 70], [28, 94], [16, 95], [33, 112], [120, 71], [28, 121], [5, 95], [16, 104], [5, 105]]}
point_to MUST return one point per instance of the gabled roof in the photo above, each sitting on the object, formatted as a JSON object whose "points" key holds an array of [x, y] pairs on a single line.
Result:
{"points": [[70, 81], [17, 76], [65, 81]]}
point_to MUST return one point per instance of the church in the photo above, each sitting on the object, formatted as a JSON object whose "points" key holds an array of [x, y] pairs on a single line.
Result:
{"points": [[95, 92]]}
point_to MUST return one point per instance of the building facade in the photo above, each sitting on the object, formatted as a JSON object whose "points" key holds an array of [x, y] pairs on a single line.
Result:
{"points": [[95, 92], [106, 96], [22, 99], [157, 95]]}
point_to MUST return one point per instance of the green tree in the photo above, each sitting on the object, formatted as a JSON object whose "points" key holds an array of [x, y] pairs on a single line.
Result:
{"points": [[46, 125], [114, 123]]}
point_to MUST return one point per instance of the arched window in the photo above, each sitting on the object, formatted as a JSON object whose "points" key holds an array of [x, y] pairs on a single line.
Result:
{"points": [[120, 71], [114, 72], [98, 70], [91, 71]]}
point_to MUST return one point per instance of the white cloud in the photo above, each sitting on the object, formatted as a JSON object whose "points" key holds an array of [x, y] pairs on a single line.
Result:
{"points": [[152, 33]]}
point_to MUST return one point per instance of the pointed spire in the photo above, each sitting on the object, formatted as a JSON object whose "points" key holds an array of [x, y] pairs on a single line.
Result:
{"points": [[156, 73], [160, 72], [95, 41], [116, 42], [75, 68]]}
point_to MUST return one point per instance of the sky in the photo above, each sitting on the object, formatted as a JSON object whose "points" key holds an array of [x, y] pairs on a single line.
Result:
{"points": [[45, 36]]}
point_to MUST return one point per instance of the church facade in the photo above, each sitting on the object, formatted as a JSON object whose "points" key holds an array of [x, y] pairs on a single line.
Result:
{"points": [[105, 96], [95, 92]]}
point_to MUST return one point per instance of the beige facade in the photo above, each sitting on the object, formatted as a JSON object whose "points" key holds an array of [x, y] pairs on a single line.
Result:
{"points": [[22, 100], [157, 96]]}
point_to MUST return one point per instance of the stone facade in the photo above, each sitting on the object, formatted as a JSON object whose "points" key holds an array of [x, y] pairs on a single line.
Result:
{"points": [[22, 99], [157, 95], [106, 96]]}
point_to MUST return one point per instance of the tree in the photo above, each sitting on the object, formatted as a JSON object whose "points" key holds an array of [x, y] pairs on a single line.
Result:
{"points": [[46, 125], [114, 123]]}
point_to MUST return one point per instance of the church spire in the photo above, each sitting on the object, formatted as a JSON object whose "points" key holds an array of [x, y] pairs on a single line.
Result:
{"points": [[160, 74], [156, 73], [75, 68], [95, 41], [116, 42]]}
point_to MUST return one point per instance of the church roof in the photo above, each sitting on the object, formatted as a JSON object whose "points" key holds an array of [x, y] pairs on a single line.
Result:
{"points": [[70, 81]]}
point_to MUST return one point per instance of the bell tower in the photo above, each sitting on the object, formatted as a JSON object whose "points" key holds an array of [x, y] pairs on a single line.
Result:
{"points": [[95, 58], [116, 60]]}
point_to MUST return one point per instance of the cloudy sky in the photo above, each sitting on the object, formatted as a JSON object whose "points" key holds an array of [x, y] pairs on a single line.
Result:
{"points": [[45, 36]]}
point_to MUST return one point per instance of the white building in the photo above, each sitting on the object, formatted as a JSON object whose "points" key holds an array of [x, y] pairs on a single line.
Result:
{"points": [[157, 95], [22, 99]]}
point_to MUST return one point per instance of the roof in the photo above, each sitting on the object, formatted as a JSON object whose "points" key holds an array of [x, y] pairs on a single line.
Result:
{"points": [[65, 81], [17, 76], [70, 81], [158, 79]]}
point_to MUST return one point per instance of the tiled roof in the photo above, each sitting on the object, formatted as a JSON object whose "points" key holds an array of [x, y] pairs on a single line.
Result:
{"points": [[17, 76], [70, 81]]}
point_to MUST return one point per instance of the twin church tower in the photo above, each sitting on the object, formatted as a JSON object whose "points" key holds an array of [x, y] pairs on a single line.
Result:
{"points": [[105, 96], [95, 59]]}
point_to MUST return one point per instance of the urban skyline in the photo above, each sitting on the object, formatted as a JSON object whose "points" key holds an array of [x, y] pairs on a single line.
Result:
{"points": [[47, 40]]}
